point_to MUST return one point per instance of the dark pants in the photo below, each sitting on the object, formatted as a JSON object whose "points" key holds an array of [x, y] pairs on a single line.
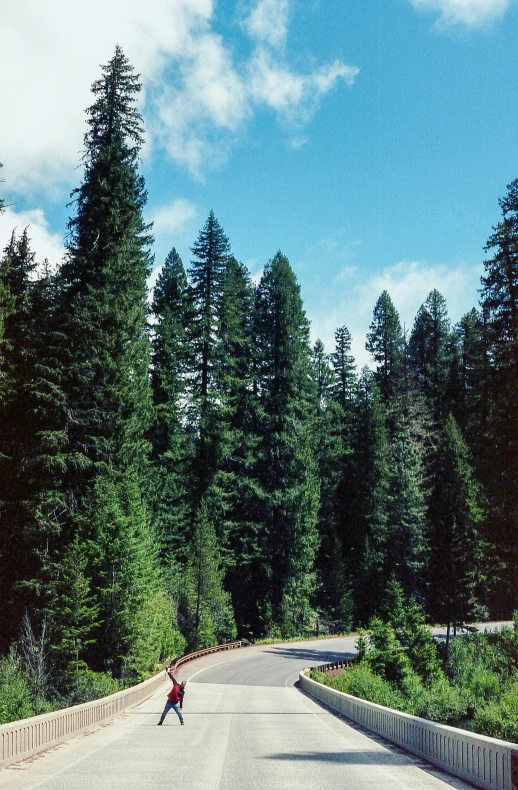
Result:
{"points": [[168, 706]]}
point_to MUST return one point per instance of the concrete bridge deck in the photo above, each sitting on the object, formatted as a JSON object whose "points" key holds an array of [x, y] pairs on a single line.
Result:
{"points": [[246, 727]]}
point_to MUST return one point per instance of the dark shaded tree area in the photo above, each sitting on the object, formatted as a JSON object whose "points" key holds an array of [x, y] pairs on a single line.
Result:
{"points": [[179, 470]]}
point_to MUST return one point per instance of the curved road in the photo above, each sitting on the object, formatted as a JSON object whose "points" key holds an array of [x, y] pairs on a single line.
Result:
{"points": [[246, 728]]}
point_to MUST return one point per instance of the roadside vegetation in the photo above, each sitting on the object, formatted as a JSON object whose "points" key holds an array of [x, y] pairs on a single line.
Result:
{"points": [[472, 682]]}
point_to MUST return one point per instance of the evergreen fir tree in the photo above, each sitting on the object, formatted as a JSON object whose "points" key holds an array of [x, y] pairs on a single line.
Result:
{"points": [[31, 436], [231, 492], [104, 285], [430, 352], [366, 492], [500, 473], [71, 611], [331, 446], [386, 344], [404, 538], [344, 369], [172, 440], [457, 562], [286, 468], [16, 437], [106, 356], [207, 611], [473, 401], [211, 254], [124, 569]]}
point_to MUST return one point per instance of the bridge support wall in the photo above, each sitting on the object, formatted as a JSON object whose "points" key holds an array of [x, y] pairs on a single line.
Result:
{"points": [[485, 762]]}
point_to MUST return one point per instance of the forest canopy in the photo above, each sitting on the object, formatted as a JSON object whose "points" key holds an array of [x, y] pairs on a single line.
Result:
{"points": [[181, 468]]}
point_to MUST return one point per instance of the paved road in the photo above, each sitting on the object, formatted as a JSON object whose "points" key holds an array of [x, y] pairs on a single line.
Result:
{"points": [[247, 728]]}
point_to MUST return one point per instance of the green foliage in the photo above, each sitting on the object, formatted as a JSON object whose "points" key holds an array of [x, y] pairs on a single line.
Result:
{"points": [[172, 442], [499, 456], [16, 697], [505, 640], [438, 701], [285, 466], [499, 718], [365, 498], [386, 344], [399, 647], [156, 635], [362, 681], [71, 609], [385, 654], [84, 685], [419, 644], [457, 559], [429, 352], [206, 607], [125, 571]]}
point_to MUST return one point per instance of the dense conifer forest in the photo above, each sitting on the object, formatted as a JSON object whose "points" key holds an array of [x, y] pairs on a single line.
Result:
{"points": [[183, 468]]}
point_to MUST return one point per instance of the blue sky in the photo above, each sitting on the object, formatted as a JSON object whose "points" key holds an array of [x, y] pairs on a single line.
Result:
{"points": [[368, 141]]}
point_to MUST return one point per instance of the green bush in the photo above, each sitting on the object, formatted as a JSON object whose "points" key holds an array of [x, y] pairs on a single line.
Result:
{"points": [[505, 642], [418, 643], [499, 718], [86, 685], [16, 698], [361, 681], [440, 702], [471, 655], [437, 702], [484, 686], [385, 654]]}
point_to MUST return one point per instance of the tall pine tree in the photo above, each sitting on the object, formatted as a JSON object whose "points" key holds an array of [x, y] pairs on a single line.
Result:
{"points": [[500, 308], [106, 354], [386, 344], [173, 441], [286, 467]]}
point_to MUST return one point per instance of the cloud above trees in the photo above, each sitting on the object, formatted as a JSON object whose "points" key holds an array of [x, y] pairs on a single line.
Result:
{"points": [[472, 13], [198, 96]]}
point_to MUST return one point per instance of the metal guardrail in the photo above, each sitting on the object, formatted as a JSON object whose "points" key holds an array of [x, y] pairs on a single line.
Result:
{"points": [[334, 665], [206, 651], [486, 762], [27, 737]]}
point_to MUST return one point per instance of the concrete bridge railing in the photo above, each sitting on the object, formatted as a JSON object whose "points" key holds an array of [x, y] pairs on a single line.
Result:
{"points": [[485, 762], [24, 738]]}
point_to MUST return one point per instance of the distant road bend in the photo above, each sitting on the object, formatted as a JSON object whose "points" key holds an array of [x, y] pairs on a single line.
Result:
{"points": [[246, 728]]}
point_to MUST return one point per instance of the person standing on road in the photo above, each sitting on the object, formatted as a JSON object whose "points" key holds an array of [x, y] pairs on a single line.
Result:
{"points": [[174, 698]]}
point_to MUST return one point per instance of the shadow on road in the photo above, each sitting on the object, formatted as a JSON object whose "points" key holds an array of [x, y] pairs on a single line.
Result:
{"points": [[314, 656], [354, 758]]}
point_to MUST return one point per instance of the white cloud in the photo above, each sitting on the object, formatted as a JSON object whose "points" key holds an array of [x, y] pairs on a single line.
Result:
{"points": [[44, 242], [293, 96], [52, 53], [268, 22], [410, 282], [172, 218], [350, 300], [473, 13], [197, 96]]}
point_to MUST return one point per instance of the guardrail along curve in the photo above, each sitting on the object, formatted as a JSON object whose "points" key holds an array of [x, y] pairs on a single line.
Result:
{"points": [[27, 737]]}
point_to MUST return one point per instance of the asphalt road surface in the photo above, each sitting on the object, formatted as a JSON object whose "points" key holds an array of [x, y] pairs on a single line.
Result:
{"points": [[246, 728]]}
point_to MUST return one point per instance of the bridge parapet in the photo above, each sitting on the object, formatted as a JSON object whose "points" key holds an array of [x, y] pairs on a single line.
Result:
{"points": [[27, 737], [487, 763]]}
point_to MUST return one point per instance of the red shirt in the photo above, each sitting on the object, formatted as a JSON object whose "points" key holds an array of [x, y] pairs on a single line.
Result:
{"points": [[173, 694]]}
